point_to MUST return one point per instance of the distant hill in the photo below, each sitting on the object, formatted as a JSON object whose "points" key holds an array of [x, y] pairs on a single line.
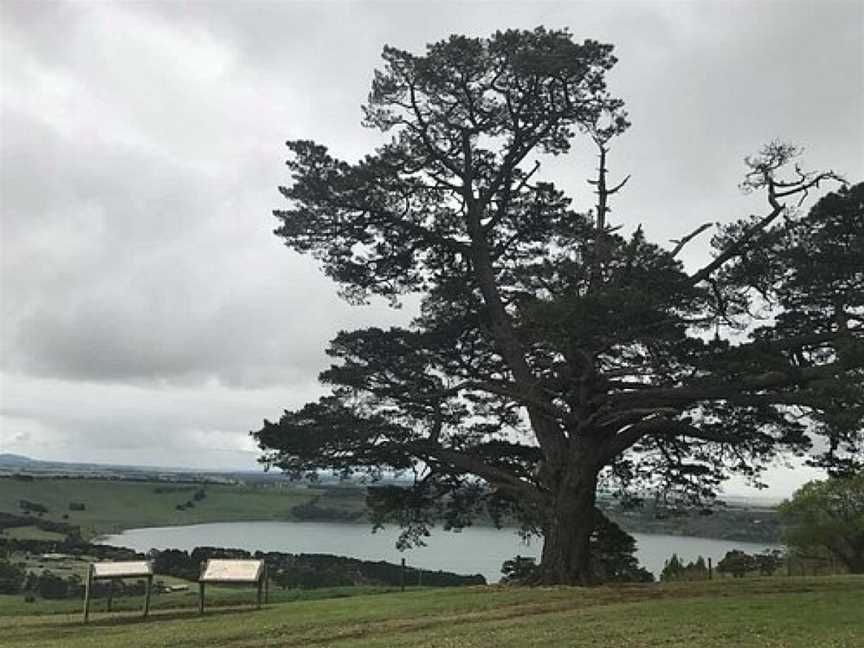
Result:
{"points": [[14, 464], [8, 459]]}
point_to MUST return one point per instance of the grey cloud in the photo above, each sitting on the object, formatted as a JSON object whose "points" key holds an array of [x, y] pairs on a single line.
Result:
{"points": [[142, 147]]}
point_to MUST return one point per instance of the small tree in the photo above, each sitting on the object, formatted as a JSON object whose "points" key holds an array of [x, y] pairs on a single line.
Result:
{"points": [[51, 586], [675, 570], [672, 569], [737, 563], [11, 577], [828, 515], [768, 562], [521, 569], [613, 553]]}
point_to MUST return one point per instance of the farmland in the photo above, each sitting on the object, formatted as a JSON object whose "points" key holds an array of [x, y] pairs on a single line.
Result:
{"points": [[113, 505]]}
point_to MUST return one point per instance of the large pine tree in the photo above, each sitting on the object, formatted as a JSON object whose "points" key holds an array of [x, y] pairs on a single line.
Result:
{"points": [[553, 353]]}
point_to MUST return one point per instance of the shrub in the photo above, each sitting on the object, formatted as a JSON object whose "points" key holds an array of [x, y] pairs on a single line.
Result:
{"points": [[11, 577], [520, 569], [737, 563], [51, 586], [32, 507]]}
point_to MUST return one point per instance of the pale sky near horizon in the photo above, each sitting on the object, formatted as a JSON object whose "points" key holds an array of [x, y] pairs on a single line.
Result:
{"points": [[149, 316]]}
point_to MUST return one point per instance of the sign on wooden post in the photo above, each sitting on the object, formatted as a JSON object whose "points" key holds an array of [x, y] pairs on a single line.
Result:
{"points": [[112, 571], [220, 570]]}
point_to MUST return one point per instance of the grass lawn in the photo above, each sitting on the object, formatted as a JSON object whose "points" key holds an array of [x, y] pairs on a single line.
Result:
{"points": [[114, 505], [772, 612], [33, 533], [217, 596]]}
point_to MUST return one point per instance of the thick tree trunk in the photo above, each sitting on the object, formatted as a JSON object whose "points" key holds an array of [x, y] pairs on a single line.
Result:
{"points": [[566, 557]]}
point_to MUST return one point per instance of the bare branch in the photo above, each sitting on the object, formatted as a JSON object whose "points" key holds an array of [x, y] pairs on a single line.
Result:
{"points": [[680, 243], [737, 247]]}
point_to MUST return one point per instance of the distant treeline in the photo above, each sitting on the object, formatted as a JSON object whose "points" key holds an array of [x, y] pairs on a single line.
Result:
{"points": [[149, 477], [11, 521], [314, 511], [307, 571], [724, 523]]}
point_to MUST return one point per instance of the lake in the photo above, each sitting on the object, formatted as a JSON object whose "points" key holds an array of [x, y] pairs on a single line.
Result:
{"points": [[474, 550]]}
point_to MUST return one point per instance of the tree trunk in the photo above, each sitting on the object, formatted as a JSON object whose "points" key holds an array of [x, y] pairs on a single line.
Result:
{"points": [[566, 557]]}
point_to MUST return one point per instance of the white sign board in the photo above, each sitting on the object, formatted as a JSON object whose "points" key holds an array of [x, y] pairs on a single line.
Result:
{"points": [[236, 571], [122, 569]]}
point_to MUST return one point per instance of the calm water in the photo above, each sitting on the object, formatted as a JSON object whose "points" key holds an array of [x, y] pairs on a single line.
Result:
{"points": [[475, 550]]}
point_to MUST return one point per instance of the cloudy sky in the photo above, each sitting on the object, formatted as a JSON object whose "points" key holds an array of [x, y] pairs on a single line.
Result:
{"points": [[149, 315]]}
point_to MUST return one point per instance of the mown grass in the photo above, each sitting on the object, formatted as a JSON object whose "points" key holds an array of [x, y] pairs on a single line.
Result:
{"points": [[217, 596], [776, 612]]}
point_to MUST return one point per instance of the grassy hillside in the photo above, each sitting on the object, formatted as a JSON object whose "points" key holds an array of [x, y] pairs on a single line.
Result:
{"points": [[113, 505], [787, 612]]}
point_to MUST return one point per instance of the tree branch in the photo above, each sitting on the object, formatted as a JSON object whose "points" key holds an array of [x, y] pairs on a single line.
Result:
{"points": [[680, 243]]}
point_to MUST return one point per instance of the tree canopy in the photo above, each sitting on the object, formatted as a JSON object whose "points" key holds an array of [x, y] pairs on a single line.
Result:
{"points": [[828, 515], [554, 352]]}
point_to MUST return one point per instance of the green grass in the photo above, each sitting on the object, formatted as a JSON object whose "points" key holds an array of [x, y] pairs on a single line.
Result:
{"points": [[33, 533], [217, 596], [777, 612], [116, 505]]}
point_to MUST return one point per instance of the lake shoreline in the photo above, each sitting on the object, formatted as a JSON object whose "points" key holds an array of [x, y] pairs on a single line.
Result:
{"points": [[120, 529], [472, 550]]}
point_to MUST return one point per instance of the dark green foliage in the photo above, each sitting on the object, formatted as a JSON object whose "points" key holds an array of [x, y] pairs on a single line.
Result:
{"points": [[313, 510], [32, 507], [672, 569], [554, 354], [675, 570], [77, 506], [519, 570], [174, 562], [768, 562], [51, 586], [304, 571], [613, 552], [11, 577], [737, 562], [828, 515], [72, 545], [9, 520]]}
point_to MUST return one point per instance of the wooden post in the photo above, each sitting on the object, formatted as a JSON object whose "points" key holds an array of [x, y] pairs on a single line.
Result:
{"points": [[266, 585], [260, 589], [110, 593], [201, 590], [88, 586], [710, 568], [402, 576], [147, 591]]}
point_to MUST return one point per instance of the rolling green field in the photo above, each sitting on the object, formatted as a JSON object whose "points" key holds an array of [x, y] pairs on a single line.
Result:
{"points": [[114, 505], [774, 612]]}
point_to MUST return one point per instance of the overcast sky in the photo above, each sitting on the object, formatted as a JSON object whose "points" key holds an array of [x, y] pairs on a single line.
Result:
{"points": [[148, 314]]}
